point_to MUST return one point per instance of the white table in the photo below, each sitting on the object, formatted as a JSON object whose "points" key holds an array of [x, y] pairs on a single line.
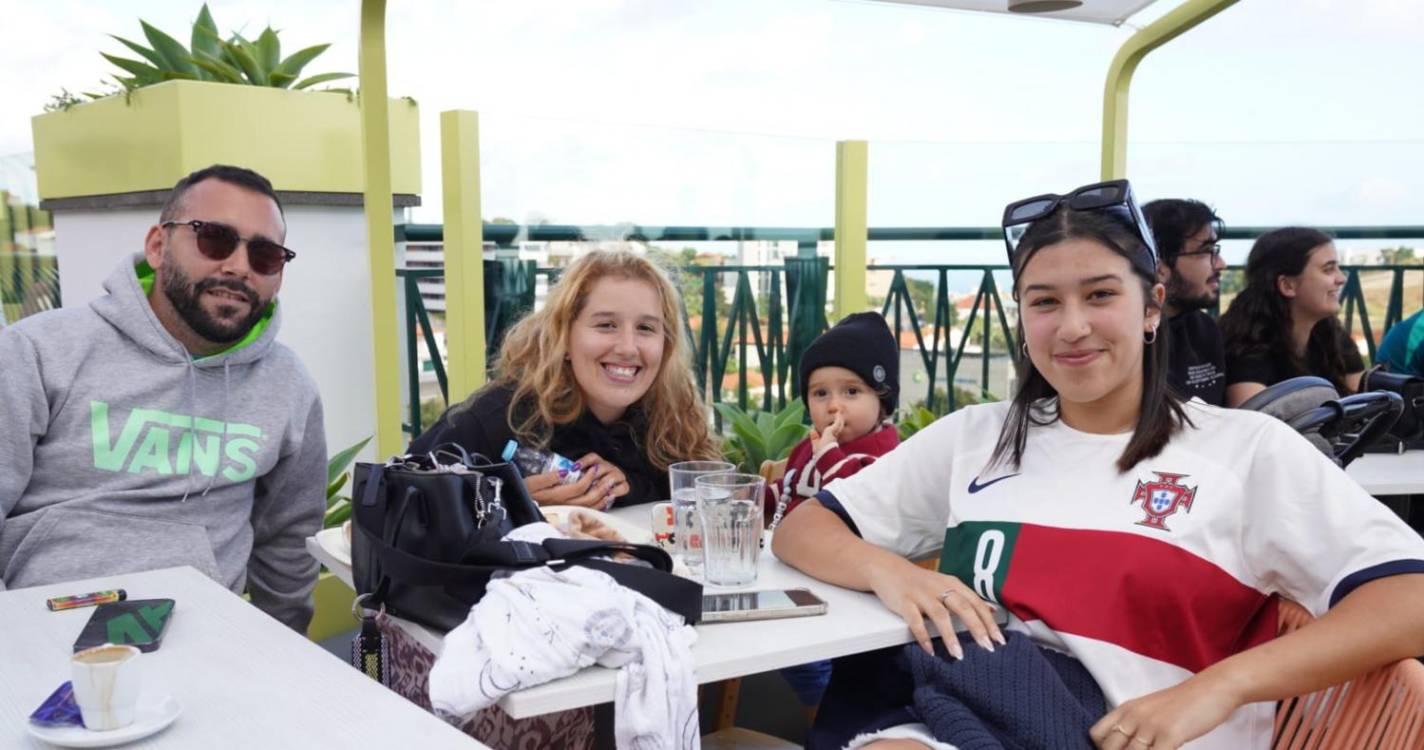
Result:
{"points": [[855, 622], [242, 678], [1389, 473]]}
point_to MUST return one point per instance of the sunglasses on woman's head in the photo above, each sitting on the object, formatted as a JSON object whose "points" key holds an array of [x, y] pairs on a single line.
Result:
{"points": [[219, 241], [1113, 197]]}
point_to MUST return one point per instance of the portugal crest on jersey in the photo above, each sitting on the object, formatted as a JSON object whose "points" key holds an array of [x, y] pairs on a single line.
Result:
{"points": [[1162, 498]]}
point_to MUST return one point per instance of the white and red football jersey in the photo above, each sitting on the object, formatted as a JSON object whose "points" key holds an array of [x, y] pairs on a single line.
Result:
{"points": [[1147, 576]]}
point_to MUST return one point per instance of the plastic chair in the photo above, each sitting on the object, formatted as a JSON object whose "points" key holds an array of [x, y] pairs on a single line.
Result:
{"points": [[1381, 710]]}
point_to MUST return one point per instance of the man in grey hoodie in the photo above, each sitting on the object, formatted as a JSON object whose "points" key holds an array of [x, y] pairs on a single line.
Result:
{"points": [[163, 424]]}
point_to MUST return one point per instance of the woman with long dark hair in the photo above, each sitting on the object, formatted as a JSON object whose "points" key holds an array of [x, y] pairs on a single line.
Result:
{"points": [[1134, 544], [1283, 324]]}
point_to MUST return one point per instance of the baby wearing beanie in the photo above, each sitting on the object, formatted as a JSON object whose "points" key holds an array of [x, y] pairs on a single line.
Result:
{"points": [[850, 381]]}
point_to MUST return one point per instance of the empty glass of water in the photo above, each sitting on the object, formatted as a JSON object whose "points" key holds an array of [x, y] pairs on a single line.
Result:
{"points": [[731, 512], [687, 528]]}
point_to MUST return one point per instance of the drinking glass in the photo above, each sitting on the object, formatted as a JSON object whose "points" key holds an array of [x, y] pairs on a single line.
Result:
{"points": [[730, 508], [687, 529]]}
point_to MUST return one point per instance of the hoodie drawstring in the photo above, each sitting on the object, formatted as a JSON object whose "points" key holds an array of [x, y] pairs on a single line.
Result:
{"points": [[192, 395], [222, 437], [192, 431]]}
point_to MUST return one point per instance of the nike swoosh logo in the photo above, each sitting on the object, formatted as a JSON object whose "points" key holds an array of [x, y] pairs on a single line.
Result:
{"points": [[974, 485]]}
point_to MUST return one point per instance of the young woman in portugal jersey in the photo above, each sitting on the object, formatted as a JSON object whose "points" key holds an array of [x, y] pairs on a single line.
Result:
{"points": [[1148, 538]]}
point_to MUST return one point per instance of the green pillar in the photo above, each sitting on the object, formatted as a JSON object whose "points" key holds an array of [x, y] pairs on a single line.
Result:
{"points": [[851, 228], [380, 227], [1124, 65], [464, 252]]}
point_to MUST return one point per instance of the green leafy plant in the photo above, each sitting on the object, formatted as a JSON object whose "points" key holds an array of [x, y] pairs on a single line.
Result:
{"points": [[756, 436], [209, 57], [338, 506], [915, 420], [919, 416], [62, 101]]}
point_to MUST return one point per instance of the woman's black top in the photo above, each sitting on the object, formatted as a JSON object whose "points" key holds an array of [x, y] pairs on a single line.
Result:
{"points": [[1269, 369], [484, 428]]}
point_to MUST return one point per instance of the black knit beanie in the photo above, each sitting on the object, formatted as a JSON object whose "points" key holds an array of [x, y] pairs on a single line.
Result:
{"points": [[863, 344]]}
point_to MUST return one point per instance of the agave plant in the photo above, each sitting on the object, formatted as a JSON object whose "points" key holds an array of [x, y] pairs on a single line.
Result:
{"points": [[338, 506], [757, 436], [237, 59]]}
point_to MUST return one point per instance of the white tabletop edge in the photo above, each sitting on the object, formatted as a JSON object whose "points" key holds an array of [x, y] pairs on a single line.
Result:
{"points": [[1389, 473], [302, 691]]}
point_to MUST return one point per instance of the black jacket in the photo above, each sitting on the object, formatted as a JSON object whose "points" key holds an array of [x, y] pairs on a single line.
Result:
{"points": [[484, 428]]}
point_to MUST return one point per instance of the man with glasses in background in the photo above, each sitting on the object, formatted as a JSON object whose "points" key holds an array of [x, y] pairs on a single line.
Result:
{"points": [[1188, 235], [163, 424]]}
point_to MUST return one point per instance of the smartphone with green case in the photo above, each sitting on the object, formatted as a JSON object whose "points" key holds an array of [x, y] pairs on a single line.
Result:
{"points": [[133, 622]]}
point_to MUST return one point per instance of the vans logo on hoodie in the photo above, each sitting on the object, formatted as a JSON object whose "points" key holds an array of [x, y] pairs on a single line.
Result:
{"points": [[168, 444]]}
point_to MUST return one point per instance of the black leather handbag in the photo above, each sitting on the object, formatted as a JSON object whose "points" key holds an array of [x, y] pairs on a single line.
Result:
{"points": [[427, 537]]}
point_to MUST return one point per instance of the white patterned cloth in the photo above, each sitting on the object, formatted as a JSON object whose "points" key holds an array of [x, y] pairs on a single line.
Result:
{"points": [[539, 625]]}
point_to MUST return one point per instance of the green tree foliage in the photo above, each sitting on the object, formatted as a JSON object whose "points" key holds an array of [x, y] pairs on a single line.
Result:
{"points": [[1399, 256], [689, 283], [922, 298], [997, 342]]}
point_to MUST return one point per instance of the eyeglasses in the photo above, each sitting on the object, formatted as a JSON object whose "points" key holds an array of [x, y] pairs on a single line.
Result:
{"points": [[1113, 197], [219, 241], [1207, 248]]}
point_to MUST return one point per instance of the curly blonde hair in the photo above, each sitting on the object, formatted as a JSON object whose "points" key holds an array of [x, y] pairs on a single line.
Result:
{"points": [[532, 361]]}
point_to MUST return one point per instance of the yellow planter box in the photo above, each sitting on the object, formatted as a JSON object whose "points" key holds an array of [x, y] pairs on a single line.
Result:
{"points": [[300, 140]]}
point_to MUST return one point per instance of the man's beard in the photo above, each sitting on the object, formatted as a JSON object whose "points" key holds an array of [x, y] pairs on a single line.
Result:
{"points": [[1181, 296], [186, 298]]}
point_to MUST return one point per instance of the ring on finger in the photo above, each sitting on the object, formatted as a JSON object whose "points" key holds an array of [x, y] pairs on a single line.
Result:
{"points": [[1145, 743], [1118, 728], [943, 596]]}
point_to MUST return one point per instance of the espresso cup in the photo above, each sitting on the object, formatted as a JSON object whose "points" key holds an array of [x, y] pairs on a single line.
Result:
{"points": [[106, 683]]}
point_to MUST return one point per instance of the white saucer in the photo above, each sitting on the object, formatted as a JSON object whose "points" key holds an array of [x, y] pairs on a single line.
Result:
{"points": [[154, 714]]}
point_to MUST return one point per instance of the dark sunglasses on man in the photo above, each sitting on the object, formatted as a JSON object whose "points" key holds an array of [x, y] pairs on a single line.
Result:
{"points": [[1113, 197], [219, 241]]}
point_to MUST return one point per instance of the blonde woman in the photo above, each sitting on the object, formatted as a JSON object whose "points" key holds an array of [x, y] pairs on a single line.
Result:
{"points": [[602, 375]]}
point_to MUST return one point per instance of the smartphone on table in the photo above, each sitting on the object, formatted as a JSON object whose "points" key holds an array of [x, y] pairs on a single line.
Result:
{"points": [[134, 622], [760, 605]]}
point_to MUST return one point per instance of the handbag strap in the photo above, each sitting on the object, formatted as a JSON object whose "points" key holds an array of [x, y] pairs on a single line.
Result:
{"points": [[674, 593], [678, 595], [455, 450]]}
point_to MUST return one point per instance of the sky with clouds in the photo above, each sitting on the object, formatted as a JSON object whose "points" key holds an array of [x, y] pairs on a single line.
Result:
{"points": [[724, 112]]}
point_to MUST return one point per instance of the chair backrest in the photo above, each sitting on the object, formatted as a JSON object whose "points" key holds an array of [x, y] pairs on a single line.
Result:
{"points": [[772, 471], [1382, 709]]}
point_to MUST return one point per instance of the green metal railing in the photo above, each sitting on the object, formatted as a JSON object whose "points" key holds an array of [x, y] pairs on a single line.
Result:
{"points": [[29, 283], [765, 333]]}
